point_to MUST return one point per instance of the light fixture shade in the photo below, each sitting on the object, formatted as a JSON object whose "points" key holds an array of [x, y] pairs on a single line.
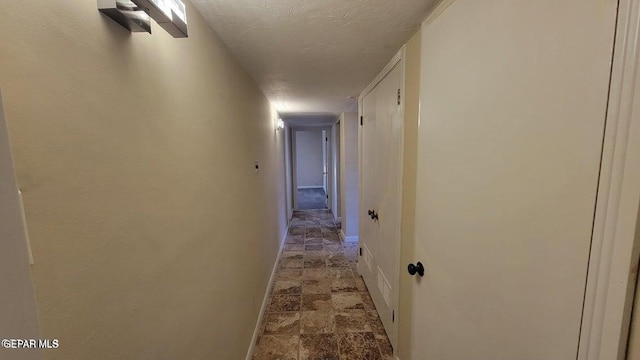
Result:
{"points": [[170, 14], [280, 124], [127, 14]]}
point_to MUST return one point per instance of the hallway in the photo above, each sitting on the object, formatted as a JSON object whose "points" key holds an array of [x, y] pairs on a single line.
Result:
{"points": [[474, 189], [319, 308]]}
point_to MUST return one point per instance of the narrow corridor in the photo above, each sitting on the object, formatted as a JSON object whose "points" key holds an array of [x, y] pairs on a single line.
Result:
{"points": [[320, 308]]}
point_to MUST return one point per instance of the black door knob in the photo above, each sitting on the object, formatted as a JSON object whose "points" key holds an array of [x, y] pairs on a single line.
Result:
{"points": [[416, 269], [370, 212], [374, 216]]}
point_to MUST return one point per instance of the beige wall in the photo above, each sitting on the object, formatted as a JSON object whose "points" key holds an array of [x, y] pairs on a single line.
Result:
{"points": [[152, 236], [411, 103]]}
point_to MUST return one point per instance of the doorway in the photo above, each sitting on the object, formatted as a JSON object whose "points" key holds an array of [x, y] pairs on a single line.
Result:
{"points": [[311, 169], [311, 153]]}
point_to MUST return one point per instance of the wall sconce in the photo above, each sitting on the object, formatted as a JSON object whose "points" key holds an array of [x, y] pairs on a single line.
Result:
{"points": [[127, 14], [170, 14], [134, 15], [279, 124]]}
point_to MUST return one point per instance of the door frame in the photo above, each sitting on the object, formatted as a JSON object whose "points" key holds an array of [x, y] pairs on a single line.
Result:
{"points": [[335, 169], [398, 58], [615, 244], [288, 178], [325, 164], [294, 169]]}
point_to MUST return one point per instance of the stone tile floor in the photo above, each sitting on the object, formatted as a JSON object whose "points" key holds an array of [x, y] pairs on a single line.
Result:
{"points": [[319, 308]]}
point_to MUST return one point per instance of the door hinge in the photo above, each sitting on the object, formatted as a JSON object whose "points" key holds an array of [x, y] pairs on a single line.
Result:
{"points": [[393, 316], [398, 96], [327, 196], [326, 139], [361, 120], [360, 251]]}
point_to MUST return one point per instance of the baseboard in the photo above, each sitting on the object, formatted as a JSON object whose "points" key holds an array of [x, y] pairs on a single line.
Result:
{"points": [[310, 187], [256, 331], [351, 239], [345, 238]]}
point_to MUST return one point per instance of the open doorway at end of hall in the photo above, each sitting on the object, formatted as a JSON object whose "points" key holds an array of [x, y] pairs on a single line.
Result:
{"points": [[311, 169], [312, 159]]}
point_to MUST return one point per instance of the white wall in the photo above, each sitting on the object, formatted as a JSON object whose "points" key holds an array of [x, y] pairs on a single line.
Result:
{"points": [[309, 162], [18, 317], [349, 173]]}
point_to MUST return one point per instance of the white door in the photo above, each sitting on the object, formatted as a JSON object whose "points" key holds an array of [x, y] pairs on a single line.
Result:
{"points": [[18, 317], [369, 194], [512, 112], [381, 162]]}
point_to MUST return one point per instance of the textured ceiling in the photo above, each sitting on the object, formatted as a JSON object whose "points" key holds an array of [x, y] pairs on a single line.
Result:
{"points": [[310, 56]]}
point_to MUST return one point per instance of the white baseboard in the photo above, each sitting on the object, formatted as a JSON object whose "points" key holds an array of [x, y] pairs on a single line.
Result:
{"points": [[256, 331], [310, 187], [351, 239], [345, 238]]}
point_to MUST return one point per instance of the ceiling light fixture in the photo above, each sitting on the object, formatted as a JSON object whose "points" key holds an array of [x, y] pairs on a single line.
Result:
{"points": [[279, 124]]}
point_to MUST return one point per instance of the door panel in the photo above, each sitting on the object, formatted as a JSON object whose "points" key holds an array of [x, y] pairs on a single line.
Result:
{"points": [[513, 100], [369, 200], [389, 135], [381, 168]]}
